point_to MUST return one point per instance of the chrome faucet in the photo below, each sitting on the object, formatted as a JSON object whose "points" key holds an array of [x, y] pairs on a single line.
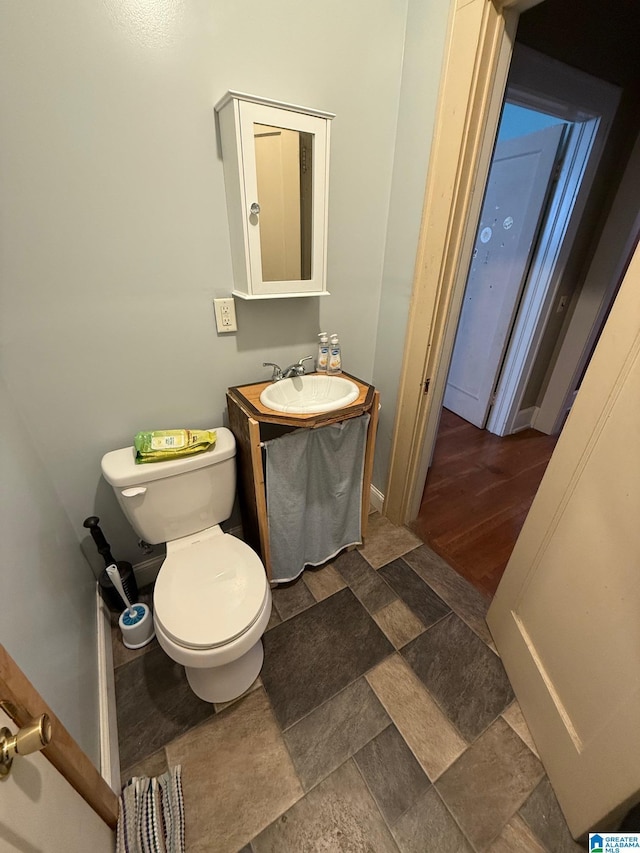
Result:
{"points": [[277, 371], [296, 369]]}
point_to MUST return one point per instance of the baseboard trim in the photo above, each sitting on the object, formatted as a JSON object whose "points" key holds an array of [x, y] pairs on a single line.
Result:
{"points": [[524, 419], [376, 499], [108, 725]]}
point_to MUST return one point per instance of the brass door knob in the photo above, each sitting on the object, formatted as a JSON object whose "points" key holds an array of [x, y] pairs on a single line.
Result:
{"points": [[30, 738]]}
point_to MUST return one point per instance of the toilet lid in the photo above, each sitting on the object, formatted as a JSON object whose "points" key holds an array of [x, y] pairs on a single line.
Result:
{"points": [[210, 592]]}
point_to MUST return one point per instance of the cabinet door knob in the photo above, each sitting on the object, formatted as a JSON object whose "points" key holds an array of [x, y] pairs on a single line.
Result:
{"points": [[255, 208]]}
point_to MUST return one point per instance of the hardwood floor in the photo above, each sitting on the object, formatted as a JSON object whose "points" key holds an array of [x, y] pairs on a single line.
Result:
{"points": [[479, 490]]}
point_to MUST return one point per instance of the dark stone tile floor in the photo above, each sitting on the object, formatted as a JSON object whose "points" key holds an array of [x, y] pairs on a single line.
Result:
{"points": [[312, 656], [463, 675], [311, 758]]}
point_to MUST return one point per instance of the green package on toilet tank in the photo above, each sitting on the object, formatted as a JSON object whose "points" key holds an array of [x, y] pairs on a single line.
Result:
{"points": [[161, 444]]}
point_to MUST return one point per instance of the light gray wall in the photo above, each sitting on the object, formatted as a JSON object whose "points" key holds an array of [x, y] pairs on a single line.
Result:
{"points": [[424, 46], [49, 612], [114, 225], [114, 243]]}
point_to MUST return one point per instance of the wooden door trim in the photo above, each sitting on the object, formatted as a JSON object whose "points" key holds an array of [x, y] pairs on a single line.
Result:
{"points": [[22, 702]]}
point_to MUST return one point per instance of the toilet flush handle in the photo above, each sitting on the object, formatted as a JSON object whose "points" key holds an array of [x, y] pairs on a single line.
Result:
{"points": [[132, 493]]}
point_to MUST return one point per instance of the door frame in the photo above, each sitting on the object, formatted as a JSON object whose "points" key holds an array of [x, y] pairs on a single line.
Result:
{"points": [[478, 52], [21, 701], [476, 62], [575, 96], [616, 246]]}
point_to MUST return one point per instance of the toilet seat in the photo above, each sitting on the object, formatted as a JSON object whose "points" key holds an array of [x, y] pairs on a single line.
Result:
{"points": [[210, 590]]}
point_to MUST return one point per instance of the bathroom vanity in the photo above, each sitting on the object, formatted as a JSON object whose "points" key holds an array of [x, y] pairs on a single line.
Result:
{"points": [[253, 423]]}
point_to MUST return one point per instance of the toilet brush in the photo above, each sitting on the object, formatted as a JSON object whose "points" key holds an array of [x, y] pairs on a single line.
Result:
{"points": [[135, 622]]}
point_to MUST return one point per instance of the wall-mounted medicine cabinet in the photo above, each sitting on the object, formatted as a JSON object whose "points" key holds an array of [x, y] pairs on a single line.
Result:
{"points": [[276, 175]]}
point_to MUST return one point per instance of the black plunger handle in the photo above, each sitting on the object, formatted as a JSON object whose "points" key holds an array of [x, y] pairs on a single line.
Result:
{"points": [[98, 537]]}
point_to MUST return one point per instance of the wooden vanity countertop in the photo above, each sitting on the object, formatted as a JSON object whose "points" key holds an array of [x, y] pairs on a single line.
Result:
{"points": [[248, 398]]}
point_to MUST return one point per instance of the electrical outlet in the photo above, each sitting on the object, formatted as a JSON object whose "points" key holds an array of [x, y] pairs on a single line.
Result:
{"points": [[225, 314]]}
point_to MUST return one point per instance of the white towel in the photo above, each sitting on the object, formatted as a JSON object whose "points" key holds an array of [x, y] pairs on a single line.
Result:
{"points": [[314, 494]]}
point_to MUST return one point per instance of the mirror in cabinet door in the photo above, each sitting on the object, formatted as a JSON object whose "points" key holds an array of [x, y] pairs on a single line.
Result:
{"points": [[276, 172]]}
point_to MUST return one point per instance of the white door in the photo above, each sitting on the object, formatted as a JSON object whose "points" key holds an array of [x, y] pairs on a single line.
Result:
{"points": [[40, 811], [516, 191], [566, 616]]}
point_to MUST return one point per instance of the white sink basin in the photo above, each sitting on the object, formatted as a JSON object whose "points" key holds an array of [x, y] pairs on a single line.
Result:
{"points": [[309, 394]]}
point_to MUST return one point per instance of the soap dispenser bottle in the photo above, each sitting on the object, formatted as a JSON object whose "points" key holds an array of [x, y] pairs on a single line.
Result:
{"points": [[335, 356], [323, 353]]}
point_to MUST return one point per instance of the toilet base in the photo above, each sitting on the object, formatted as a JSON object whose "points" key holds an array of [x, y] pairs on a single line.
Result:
{"points": [[228, 681]]}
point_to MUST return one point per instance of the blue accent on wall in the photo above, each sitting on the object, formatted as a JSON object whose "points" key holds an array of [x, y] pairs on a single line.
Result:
{"points": [[519, 121]]}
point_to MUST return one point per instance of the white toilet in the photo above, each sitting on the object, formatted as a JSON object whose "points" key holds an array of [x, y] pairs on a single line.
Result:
{"points": [[212, 599]]}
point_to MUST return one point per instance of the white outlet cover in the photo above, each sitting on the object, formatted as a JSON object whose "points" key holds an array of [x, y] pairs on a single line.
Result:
{"points": [[225, 314]]}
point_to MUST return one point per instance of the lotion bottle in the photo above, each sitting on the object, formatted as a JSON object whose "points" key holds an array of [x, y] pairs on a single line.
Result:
{"points": [[335, 356], [323, 353]]}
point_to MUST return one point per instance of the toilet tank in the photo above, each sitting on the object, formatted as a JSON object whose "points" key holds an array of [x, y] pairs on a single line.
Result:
{"points": [[170, 499]]}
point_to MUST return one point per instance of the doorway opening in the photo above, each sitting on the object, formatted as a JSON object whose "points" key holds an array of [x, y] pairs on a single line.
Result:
{"points": [[502, 414]]}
